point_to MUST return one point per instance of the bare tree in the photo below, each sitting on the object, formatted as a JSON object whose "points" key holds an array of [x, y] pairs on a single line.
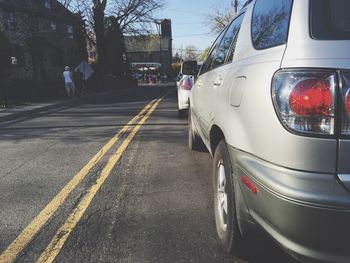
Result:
{"points": [[65, 3], [135, 16], [131, 17], [191, 53], [221, 16], [219, 19]]}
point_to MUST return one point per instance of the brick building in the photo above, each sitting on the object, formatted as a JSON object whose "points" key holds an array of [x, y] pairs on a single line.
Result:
{"points": [[40, 38], [152, 48]]}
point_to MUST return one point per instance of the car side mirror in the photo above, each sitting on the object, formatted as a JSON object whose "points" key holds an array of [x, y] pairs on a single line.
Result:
{"points": [[189, 68]]}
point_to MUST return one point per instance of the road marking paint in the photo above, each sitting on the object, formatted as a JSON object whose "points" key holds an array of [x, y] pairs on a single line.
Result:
{"points": [[10, 254], [58, 241]]}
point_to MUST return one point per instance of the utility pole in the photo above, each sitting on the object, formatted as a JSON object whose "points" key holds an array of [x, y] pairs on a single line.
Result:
{"points": [[235, 6]]}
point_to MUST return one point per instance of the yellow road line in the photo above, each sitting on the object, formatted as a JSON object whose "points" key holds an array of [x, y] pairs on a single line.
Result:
{"points": [[56, 244], [10, 254]]}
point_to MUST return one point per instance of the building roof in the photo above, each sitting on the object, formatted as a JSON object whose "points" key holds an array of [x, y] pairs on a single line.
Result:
{"points": [[38, 8]]}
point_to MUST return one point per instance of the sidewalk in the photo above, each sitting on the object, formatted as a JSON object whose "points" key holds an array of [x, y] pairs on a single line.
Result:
{"points": [[32, 109], [17, 112]]}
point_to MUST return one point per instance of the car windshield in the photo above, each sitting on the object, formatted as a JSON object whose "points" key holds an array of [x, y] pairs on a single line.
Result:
{"points": [[330, 19]]}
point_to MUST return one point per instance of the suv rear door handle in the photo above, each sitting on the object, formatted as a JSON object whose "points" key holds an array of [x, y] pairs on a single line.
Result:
{"points": [[218, 81]]}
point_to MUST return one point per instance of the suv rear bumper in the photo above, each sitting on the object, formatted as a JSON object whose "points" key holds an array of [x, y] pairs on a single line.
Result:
{"points": [[308, 214]]}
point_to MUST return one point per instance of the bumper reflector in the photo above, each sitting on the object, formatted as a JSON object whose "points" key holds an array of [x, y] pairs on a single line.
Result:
{"points": [[249, 184]]}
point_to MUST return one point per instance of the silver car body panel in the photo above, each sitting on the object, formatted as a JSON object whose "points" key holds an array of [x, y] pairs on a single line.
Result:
{"points": [[254, 126], [303, 51], [301, 201], [345, 179], [306, 213]]}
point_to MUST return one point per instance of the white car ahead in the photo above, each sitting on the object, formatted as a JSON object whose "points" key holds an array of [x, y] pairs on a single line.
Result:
{"points": [[183, 93], [184, 86]]}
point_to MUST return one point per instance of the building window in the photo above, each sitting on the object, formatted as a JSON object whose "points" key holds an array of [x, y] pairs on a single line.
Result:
{"points": [[70, 32], [35, 24], [53, 25], [48, 4], [10, 21]]}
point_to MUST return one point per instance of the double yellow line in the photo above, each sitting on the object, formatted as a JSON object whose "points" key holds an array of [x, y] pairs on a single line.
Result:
{"points": [[56, 244]]}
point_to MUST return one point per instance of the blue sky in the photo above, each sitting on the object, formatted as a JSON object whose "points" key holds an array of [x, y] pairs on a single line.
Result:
{"points": [[189, 19]]}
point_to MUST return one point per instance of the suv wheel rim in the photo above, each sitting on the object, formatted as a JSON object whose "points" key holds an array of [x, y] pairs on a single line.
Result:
{"points": [[222, 196]]}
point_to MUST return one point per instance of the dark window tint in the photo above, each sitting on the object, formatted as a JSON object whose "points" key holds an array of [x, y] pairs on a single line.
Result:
{"points": [[238, 22], [209, 60], [270, 23], [330, 19], [226, 42]]}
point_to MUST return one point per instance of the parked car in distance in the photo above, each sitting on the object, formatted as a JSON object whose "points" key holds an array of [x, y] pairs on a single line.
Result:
{"points": [[137, 75], [184, 86], [272, 105]]}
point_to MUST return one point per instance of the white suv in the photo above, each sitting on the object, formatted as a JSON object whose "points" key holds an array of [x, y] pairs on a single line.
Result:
{"points": [[272, 105]]}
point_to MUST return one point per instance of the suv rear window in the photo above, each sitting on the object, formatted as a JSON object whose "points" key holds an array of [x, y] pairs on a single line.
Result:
{"points": [[330, 19], [270, 23]]}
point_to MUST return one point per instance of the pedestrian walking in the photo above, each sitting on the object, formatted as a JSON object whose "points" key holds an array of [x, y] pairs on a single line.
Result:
{"points": [[68, 82], [78, 77]]}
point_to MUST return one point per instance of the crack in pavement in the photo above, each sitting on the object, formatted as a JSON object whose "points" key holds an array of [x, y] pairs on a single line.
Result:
{"points": [[28, 161]]}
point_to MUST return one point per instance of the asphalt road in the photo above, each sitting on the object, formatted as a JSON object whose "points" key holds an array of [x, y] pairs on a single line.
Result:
{"points": [[144, 198]]}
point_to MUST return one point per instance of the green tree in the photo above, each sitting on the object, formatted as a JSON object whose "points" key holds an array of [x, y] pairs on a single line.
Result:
{"points": [[116, 63], [204, 54]]}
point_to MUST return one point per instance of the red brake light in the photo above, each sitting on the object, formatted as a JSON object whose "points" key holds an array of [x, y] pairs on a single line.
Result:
{"points": [[345, 81], [186, 84], [311, 97], [305, 100], [347, 103]]}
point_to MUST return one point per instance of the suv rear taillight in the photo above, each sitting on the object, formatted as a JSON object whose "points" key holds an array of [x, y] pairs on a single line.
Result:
{"points": [[345, 91], [186, 84], [305, 100]]}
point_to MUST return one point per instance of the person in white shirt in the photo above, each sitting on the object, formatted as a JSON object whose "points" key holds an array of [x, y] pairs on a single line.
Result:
{"points": [[68, 82]]}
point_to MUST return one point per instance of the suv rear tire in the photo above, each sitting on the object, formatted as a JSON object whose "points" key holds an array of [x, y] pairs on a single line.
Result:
{"points": [[182, 113], [224, 201]]}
